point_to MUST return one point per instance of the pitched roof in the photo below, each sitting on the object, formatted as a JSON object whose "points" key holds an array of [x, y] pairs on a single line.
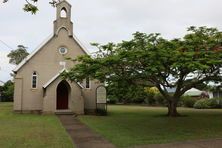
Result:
{"points": [[193, 92], [55, 77], [29, 57], [32, 54]]}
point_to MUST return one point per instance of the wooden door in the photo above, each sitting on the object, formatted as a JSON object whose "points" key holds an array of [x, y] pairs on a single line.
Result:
{"points": [[62, 96]]}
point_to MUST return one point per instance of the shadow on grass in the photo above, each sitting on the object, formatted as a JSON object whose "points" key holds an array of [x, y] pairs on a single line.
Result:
{"points": [[166, 116]]}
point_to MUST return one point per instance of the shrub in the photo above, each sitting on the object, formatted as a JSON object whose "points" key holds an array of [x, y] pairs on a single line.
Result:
{"points": [[101, 112], [208, 104], [201, 104], [213, 103], [112, 101], [188, 101], [220, 102], [160, 100], [150, 101], [150, 95], [7, 91]]}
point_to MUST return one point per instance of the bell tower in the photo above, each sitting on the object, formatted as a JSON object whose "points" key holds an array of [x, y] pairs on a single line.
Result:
{"points": [[63, 18]]}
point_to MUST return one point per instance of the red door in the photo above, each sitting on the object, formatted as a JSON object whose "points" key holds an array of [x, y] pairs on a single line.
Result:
{"points": [[62, 96]]}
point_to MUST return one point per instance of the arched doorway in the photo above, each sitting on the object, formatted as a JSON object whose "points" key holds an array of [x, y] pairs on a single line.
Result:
{"points": [[62, 96]]}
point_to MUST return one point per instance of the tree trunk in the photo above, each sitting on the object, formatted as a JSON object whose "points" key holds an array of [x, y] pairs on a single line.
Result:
{"points": [[172, 108]]}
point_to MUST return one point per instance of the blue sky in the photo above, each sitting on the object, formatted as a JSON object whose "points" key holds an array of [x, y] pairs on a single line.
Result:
{"points": [[103, 21]]}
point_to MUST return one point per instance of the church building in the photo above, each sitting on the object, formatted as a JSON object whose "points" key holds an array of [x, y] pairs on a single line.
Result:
{"points": [[38, 86]]}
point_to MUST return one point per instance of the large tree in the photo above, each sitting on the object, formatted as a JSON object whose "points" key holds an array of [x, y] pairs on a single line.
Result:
{"points": [[16, 56], [180, 63]]}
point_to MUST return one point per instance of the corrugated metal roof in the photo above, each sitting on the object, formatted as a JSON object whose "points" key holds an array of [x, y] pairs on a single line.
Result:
{"points": [[193, 92]]}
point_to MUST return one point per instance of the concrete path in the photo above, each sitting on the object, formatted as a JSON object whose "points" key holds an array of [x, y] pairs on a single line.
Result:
{"points": [[82, 136], [214, 143]]}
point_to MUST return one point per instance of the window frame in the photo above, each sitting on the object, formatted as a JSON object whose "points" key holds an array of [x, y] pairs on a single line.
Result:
{"points": [[63, 13], [34, 74], [89, 83], [66, 50]]}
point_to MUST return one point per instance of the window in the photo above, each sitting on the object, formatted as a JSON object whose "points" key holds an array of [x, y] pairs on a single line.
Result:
{"points": [[63, 13], [63, 50], [34, 80], [87, 83]]}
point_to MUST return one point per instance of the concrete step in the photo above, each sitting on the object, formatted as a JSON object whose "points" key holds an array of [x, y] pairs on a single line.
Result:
{"points": [[64, 112]]}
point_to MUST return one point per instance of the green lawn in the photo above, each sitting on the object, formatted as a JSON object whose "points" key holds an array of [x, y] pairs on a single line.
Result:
{"points": [[133, 125], [31, 131]]}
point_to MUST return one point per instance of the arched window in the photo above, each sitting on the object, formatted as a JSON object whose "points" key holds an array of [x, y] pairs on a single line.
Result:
{"points": [[88, 83], [34, 80], [63, 13]]}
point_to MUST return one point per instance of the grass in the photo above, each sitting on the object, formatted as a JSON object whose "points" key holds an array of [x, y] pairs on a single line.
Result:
{"points": [[127, 126], [35, 131]]}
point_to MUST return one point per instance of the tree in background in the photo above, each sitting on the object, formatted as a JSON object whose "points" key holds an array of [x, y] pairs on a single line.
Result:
{"points": [[7, 91], [18, 55], [126, 93], [180, 63], [152, 93], [15, 57]]}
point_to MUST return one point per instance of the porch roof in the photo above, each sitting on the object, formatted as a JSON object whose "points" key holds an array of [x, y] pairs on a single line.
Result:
{"points": [[55, 77]]}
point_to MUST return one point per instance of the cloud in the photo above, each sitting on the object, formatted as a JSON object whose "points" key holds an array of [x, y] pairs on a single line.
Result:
{"points": [[107, 20], [5, 68]]}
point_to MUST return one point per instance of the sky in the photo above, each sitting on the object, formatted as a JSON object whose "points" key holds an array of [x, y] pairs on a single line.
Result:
{"points": [[103, 21]]}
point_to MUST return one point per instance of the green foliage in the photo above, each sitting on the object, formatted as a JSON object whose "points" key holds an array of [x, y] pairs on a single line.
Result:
{"points": [[125, 93], [101, 112], [31, 5], [30, 8], [7, 91], [16, 56], [148, 59], [151, 93], [151, 90], [150, 99], [112, 100], [202, 104], [188, 101], [208, 104], [160, 100]]}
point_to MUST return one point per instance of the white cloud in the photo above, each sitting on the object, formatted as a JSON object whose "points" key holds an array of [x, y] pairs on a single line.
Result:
{"points": [[5, 68], [106, 20]]}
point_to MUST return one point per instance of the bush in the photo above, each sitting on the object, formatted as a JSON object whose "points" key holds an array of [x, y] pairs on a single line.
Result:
{"points": [[201, 104], [220, 102], [101, 112], [7, 91], [208, 104], [123, 92], [112, 101], [188, 101], [150, 101], [160, 100], [214, 103]]}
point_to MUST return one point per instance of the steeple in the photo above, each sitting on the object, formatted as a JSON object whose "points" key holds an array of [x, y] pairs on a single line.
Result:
{"points": [[63, 18]]}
